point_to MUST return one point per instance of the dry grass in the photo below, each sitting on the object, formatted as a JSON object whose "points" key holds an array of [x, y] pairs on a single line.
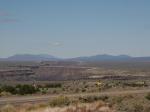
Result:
{"points": [[8, 108], [89, 107], [99, 106]]}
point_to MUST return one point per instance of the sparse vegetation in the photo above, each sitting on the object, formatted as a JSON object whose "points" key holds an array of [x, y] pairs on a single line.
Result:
{"points": [[60, 101], [53, 85], [99, 106], [8, 108], [89, 99], [122, 103], [111, 79]]}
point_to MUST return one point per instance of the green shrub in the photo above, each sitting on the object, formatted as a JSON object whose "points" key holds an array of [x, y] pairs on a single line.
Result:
{"points": [[10, 89], [26, 89], [43, 90], [83, 90], [147, 96], [19, 89], [136, 84]]}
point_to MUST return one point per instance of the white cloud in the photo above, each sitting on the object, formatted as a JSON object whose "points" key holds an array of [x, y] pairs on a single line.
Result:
{"points": [[55, 43]]}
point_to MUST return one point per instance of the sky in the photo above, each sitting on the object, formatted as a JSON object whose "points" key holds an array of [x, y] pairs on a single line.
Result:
{"points": [[72, 28]]}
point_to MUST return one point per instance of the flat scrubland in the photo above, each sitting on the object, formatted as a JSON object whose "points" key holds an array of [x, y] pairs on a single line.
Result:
{"points": [[70, 87], [19, 79], [116, 103]]}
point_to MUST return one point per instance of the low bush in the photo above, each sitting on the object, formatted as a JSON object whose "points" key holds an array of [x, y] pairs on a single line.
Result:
{"points": [[18, 89], [53, 85], [147, 96], [10, 89], [136, 84], [26, 89], [60, 101], [89, 99]]}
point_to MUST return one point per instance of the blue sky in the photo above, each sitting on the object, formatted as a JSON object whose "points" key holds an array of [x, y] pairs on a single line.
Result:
{"points": [[70, 28]]}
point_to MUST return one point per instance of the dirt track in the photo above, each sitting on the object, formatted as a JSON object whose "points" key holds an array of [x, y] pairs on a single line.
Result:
{"points": [[46, 98]]}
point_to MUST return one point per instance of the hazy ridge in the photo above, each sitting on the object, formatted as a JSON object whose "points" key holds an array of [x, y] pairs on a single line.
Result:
{"points": [[46, 57]]}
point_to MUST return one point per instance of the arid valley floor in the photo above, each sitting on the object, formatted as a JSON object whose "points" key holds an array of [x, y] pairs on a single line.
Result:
{"points": [[73, 86]]}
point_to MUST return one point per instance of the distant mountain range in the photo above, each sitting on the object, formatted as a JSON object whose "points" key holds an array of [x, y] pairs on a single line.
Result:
{"points": [[45, 57], [30, 57], [106, 57]]}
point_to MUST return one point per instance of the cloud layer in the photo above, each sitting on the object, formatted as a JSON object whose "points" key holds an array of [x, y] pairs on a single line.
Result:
{"points": [[55, 44]]}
